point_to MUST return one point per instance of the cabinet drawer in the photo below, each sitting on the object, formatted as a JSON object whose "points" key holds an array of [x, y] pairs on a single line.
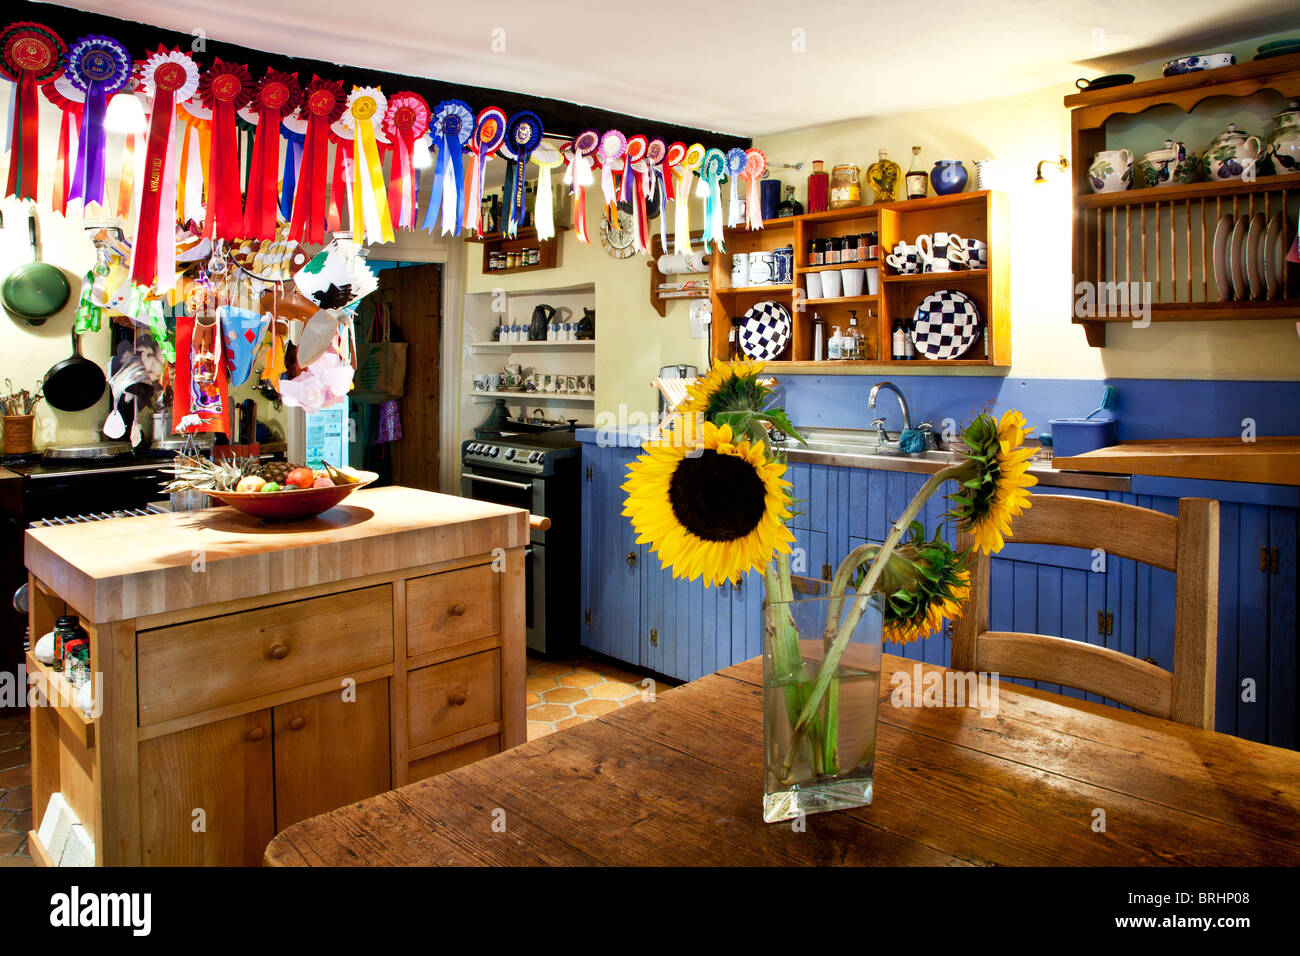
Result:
{"points": [[451, 608], [192, 667], [445, 699], [460, 756]]}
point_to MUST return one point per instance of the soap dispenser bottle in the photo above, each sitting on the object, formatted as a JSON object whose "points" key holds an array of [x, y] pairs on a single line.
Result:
{"points": [[835, 349]]}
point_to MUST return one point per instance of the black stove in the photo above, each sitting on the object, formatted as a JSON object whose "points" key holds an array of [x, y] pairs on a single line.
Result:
{"points": [[539, 472]]}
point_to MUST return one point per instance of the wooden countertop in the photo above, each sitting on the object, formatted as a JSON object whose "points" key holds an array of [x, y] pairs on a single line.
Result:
{"points": [[679, 781], [128, 568], [1270, 461]]}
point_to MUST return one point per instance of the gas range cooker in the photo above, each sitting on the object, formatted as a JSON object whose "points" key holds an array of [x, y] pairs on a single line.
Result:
{"points": [[534, 455]]}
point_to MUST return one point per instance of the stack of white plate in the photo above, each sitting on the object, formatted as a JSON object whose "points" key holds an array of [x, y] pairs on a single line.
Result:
{"points": [[1250, 257]]}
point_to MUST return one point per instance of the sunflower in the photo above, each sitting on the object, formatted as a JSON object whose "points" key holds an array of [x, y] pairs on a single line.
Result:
{"points": [[995, 485], [923, 583], [710, 505], [724, 388]]}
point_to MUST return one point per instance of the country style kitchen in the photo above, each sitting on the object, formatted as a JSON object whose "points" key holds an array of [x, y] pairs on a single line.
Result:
{"points": [[698, 436]]}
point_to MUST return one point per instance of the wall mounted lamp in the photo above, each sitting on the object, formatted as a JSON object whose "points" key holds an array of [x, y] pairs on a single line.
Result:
{"points": [[1063, 163]]}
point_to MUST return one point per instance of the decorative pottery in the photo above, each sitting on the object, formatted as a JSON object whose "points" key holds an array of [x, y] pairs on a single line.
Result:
{"points": [[1168, 166], [1202, 61], [986, 174], [1105, 82], [1111, 171], [948, 176], [1232, 154], [883, 176], [1283, 147]]}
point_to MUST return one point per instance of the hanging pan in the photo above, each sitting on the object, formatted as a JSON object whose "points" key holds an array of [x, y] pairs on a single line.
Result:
{"points": [[36, 290], [76, 383]]}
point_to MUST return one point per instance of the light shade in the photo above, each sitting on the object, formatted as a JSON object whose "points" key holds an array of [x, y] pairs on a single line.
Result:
{"points": [[125, 114], [423, 158]]}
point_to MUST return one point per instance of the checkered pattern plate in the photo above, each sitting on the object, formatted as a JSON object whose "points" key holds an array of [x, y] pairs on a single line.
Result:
{"points": [[765, 331], [945, 325]]}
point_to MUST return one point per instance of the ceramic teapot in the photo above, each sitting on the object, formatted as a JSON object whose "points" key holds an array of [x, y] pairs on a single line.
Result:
{"points": [[1232, 154], [1283, 146], [1111, 171], [1167, 166]]}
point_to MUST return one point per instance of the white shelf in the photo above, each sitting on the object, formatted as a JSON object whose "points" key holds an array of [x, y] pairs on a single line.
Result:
{"points": [[510, 346], [528, 397]]}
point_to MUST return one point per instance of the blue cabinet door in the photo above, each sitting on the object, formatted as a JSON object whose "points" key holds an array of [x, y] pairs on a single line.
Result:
{"points": [[1283, 531], [611, 582]]}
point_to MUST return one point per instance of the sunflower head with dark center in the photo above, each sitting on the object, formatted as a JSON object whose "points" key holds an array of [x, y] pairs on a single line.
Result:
{"points": [[717, 497]]}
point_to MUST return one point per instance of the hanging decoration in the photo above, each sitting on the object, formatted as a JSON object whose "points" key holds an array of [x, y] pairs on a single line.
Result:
{"points": [[736, 160], [225, 89], [130, 181], [682, 162], [195, 153], [277, 95], [578, 176], [655, 153], [755, 167], [711, 173], [545, 157], [99, 66], [293, 129], [169, 77], [612, 149], [523, 134], [452, 125], [65, 95], [405, 121], [322, 106], [489, 134], [370, 218], [634, 170], [32, 55]]}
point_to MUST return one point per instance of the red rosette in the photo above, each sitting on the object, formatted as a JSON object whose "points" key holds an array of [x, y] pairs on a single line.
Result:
{"points": [[33, 48], [64, 94], [407, 112], [324, 98], [277, 91], [224, 82], [636, 148]]}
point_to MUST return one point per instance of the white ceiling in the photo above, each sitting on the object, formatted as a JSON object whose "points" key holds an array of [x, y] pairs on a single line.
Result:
{"points": [[725, 66]]}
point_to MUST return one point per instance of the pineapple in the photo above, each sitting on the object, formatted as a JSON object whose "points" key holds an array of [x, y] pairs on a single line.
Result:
{"points": [[275, 471]]}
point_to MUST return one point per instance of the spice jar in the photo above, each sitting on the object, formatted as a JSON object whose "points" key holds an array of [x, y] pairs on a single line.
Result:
{"points": [[833, 253], [863, 247], [849, 249], [845, 189], [816, 252], [66, 629]]}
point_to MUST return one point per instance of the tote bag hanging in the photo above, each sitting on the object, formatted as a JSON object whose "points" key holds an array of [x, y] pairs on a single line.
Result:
{"points": [[383, 364]]}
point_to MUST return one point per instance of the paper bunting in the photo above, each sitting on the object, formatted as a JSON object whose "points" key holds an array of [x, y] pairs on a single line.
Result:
{"points": [[322, 106], [712, 168], [69, 100], [755, 167], [405, 121], [489, 134], [168, 77], [545, 157], [99, 66], [225, 89], [371, 220], [578, 176], [735, 165], [523, 135], [452, 125], [277, 95], [31, 55]]}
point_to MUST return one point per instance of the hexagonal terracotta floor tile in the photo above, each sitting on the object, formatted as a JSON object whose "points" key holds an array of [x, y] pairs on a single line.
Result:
{"points": [[549, 668], [539, 684], [550, 712], [581, 679], [571, 722], [564, 695], [613, 690], [595, 708], [538, 729]]}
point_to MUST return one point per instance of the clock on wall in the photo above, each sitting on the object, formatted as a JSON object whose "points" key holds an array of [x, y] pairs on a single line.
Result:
{"points": [[617, 241]]}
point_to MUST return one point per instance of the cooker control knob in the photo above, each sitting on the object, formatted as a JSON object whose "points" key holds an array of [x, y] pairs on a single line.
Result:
{"points": [[510, 454], [471, 448], [535, 457], [494, 451]]}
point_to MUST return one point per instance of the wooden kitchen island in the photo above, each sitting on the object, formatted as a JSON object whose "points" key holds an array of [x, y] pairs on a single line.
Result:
{"points": [[249, 675]]}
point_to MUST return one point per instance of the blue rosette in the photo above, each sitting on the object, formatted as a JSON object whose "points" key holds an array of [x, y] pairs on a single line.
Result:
{"points": [[99, 66], [453, 123], [523, 135]]}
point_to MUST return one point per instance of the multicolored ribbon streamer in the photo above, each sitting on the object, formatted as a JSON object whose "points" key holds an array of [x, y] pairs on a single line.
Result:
{"points": [[277, 95], [688, 161], [578, 176], [405, 121], [323, 104], [489, 134], [634, 171], [735, 161], [99, 66], [169, 77], [545, 157], [656, 153], [31, 55], [371, 220], [63, 94], [612, 149], [195, 154], [523, 135], [755, 167], [452, 125], [711, 172]]}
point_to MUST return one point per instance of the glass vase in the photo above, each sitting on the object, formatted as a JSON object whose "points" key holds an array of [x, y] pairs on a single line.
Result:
{"points": [[829, 764]]}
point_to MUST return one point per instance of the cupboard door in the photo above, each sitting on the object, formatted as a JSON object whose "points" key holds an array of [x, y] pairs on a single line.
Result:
{"points": [[330, 750], [613, 582], [1282, 634], [206, 796]]}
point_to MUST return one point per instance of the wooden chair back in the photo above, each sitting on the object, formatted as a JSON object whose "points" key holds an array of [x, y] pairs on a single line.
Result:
{"points": [[1188, 545]]}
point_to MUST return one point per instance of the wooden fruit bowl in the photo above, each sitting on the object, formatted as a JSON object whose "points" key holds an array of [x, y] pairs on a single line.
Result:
{"points": [[296, 505]]}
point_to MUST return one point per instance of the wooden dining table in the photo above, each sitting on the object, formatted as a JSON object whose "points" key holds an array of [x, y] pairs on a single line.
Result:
{"points": [[678, 780]]}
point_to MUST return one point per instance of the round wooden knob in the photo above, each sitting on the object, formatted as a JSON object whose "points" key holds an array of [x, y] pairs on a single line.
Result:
{"points": [[631, 558], [297, 723], [457, 610], [459, 699], [257, 733], [279, 651]]}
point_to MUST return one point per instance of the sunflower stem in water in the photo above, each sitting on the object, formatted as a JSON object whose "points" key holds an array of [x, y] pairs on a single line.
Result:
{"points": [[787, 659]]}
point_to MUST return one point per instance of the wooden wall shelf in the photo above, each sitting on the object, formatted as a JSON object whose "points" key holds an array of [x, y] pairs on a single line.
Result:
{"points": [[525, 238], [659, 302], [973, 215]]}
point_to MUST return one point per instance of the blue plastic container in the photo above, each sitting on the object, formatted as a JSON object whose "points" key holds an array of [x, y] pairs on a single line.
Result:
{"points": [[1074, 436]]}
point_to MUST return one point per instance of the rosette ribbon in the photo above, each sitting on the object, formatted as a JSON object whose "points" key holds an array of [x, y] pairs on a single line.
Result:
{"points": [[452, 125], [656, 152], [683, 163], [31, 55], [545, 157], [634, 172], [294, 131], [225, 89], [578, 176], [195, 153], [340, 191], [277, 95], [489, 134], [63, 94], [99, 66], [371, 220], [523, 134], [169, 77], [613, 147], [405, 121], [735, 166], [711, 172], [323, 103], [755, 167]]}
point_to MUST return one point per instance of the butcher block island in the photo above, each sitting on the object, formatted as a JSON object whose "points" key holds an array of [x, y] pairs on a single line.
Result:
{"points": [[248, 675]]}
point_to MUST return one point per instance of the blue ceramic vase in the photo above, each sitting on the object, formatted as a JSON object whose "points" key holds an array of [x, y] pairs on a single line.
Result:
{"points": [[948, 176]]}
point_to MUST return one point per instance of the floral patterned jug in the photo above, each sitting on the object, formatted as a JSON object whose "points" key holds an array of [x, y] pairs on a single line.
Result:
{"points": [[1284, 141]]}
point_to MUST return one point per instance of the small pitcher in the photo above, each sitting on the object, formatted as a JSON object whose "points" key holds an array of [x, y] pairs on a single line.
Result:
{"points": [[1111, 171]]}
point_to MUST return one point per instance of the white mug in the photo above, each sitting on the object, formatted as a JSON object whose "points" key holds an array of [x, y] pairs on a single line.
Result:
{"points": [[739, 270]]}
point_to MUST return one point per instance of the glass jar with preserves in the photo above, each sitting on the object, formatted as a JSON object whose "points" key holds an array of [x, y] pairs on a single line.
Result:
{"points": [[883, 175], [845, 189]]}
